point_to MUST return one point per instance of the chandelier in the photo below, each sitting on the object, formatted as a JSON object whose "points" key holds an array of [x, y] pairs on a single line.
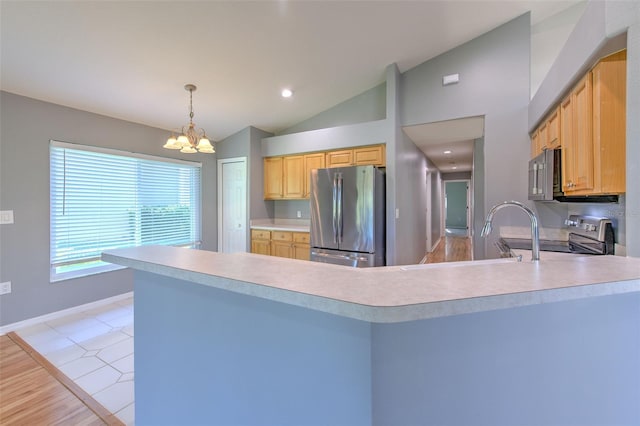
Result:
{"points": [[190, 140]]}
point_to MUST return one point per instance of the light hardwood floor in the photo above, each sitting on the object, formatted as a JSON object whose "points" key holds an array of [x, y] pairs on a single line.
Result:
{"points": [[34, 392], [451, 249]]}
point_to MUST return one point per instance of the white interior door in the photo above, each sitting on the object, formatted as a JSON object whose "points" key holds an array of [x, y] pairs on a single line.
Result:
{"points": [[232, 205]]}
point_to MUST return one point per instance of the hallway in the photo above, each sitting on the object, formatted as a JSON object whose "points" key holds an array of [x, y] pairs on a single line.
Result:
{"points": [[453, 247]]}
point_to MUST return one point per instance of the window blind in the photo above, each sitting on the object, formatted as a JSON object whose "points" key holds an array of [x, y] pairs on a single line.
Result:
{"points": [[105, 199]]}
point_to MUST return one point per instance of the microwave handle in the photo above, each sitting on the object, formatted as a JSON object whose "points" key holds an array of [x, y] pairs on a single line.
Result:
{"points": [[534, 190]]}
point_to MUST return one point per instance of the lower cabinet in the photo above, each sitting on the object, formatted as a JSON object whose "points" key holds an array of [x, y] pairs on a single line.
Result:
{"points": [[292, 245], [301, 247], [281, 244], [261, 241]]}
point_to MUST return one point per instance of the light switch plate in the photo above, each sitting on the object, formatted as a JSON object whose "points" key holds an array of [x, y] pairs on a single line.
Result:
{"points": [[5, 287], [6, 217]]}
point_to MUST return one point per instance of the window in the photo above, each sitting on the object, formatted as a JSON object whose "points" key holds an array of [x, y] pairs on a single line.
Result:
{"points": [[104, 199]]}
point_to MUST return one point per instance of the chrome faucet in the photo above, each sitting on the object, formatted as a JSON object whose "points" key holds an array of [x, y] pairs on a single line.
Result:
{"points": [[535, 235]]}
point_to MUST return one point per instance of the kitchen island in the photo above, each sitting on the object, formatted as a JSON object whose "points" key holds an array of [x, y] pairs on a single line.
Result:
{"points": [[250, 339]]}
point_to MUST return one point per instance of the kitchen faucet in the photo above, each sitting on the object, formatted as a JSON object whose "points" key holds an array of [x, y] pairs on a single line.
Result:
{"points": [[535, 235]]}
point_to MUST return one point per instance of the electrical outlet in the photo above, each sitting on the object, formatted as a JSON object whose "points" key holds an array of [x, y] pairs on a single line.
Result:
{"points": [[5, 288], [6, 217], [298, 214]]}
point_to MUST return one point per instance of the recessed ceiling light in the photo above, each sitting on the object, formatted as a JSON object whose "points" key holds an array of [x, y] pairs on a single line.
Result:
{"points": [[286, 93], [454, 167], [447, 152]]}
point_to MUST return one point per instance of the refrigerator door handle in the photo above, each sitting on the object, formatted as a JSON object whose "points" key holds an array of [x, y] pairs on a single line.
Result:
{"points": [[341, 258], [340, 234], [334, 208]]}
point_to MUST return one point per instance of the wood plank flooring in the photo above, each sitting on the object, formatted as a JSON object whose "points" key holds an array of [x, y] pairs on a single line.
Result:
{"points": [[451, 249], [34, 392]]}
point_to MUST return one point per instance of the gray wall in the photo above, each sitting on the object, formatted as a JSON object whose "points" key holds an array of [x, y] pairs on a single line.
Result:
{"points": [[565, 363], [494, 83], [27, 127], [411, 200], [367, 106], [436, 208], [599, 31], [477, 204], [288, 209]]}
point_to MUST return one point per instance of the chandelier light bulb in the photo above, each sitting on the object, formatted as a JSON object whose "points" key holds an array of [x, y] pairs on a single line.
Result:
{"points": [[183, 141], [172, 143]]}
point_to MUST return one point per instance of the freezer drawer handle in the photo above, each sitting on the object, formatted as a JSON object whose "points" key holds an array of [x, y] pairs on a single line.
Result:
{"points": [[353, 259]]}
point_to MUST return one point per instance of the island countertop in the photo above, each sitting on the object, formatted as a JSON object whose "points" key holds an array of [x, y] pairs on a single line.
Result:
{"points": [[394, 293]]}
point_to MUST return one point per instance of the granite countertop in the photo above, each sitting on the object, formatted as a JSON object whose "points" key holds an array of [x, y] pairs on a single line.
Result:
{"points": [[392, 293]]}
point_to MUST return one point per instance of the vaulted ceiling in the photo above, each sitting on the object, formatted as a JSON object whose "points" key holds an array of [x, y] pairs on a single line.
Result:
{"points": [[131, 59]]}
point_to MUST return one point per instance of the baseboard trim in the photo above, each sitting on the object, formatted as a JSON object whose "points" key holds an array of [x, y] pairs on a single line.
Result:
{"points": [[434, 246], [58, 314]]}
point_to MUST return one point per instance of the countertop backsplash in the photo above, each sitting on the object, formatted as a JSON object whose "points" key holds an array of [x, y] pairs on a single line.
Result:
{"points": [[558, 234]]}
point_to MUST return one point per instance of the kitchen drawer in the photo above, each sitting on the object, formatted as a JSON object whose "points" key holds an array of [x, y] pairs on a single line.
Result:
{"points": [[281, 236], [301, 237], [260, 234]]}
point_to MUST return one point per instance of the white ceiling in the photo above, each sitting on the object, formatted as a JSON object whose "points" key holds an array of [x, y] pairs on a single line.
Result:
{"points": [[448, 144], [130, 60]]}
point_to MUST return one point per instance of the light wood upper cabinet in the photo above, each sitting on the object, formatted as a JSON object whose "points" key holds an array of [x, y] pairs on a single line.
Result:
{"points": [[369, 155], [288, 177], [542, 136], [547, 135], [361, 156], [311, 162], [567, 130], [535, 145], [340, 158], [579, 176], [553, 130], [594, 159], [609, 123], [293, 170], [273, 178]]}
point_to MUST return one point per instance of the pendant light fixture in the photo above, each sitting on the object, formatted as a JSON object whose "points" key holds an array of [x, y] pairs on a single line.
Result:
{"points": [[190, 140]]}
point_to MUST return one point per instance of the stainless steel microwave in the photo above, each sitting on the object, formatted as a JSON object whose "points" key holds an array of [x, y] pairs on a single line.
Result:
{"points": [[545, 176]]}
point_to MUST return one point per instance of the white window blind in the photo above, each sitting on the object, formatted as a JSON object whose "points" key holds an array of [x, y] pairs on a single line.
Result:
{"points": [[105, 199]]}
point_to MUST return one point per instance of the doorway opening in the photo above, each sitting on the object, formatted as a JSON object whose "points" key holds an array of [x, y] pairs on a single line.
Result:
{"points": [[457, 201]]}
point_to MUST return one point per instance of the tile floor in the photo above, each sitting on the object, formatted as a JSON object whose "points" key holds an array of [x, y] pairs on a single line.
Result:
{"points": [[94, 348]]}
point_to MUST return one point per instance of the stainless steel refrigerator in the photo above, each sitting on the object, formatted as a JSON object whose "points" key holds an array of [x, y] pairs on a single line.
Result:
{"points": [[348, 216]]}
